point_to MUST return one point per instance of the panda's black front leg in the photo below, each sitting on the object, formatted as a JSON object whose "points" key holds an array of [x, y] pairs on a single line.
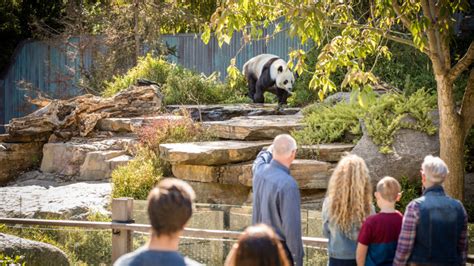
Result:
{"points": [[252, 81], [282, 97], [259, 91]]}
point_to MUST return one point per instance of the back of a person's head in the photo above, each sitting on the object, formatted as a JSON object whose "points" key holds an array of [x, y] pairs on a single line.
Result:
{"points": [[349, 193], [434, 169], [259, 246], [388, 188], [284, 145], [170, 206]]}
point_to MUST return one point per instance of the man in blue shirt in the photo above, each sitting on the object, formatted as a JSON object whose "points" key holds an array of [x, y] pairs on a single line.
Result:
{"points": [[169, 209], [276, 196]]}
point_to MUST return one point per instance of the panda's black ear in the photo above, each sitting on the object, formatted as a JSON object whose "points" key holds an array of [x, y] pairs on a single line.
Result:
{"points": [[280, 69]]}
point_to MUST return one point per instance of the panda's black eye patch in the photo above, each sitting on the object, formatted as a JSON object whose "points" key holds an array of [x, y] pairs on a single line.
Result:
{"points": [[285, 82]]}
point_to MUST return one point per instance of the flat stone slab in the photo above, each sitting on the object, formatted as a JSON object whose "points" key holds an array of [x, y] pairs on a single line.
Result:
{"points": [[211, 152], [309, 174], [65, 201], [324, 152], [120, 124], [255, 127], [99, 165], [67, 158], [220, 112]]}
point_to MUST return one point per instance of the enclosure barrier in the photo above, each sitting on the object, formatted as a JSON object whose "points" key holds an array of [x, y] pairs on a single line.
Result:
{"points": [[123, 226]]}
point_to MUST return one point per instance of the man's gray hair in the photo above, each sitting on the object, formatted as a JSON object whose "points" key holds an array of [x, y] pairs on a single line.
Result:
{"points": [[435, 169], [284, 145]]}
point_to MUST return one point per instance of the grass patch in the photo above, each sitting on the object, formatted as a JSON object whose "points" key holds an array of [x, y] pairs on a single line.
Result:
{"points": [[383, 118], [82, 247]]}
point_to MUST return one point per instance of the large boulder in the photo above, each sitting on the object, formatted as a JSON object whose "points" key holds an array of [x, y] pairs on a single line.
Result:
{"points": [[17, 157], [409, 149], [35, 253]]}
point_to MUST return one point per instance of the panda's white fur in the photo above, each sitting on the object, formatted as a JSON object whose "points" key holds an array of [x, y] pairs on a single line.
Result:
{"points": [[255, 66]]}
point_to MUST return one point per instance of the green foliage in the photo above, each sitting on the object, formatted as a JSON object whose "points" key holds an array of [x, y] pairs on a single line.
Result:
{"points": [[180, 85], [148, 67], [82, 247], [136, 178], [139, 176], [326, 124], [11, 261], [411, 189], [382, 118], [391, 112]]}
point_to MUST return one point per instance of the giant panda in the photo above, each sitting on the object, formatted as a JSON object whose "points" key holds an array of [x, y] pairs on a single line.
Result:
{"points": [[267, 72]]}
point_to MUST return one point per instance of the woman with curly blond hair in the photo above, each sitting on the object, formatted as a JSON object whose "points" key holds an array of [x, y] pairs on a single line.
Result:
{"points": [[348, 202]]}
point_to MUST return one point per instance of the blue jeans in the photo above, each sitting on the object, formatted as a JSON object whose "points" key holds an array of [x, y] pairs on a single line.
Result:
{"points": [[339, 262]]}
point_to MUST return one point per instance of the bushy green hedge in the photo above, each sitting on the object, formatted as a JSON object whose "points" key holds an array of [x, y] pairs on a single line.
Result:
{"points": [[179, 85], [382, 118]]}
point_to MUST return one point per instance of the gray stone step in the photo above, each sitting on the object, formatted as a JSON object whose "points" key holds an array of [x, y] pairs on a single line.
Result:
{"points": [[99, 165], [122, 124], [255, 127], [324, 152], [310, 174], [220, 112], [211, 152]]}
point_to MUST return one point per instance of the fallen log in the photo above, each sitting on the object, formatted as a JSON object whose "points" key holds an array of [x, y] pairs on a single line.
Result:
{"points": [[80, 114]]}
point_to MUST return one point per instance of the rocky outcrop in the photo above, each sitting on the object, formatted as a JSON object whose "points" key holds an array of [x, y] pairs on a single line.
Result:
{"points": [[310, 174], [220, 112], [79, 115], [324, 152], [409, 149], [35, 253], [211, 152], [90, 159], [255, 127], [16, 157], [215, 193], [38, 196], [123, 124]]}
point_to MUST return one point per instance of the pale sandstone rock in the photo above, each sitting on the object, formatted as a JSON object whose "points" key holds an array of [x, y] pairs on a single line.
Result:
{"points": [[309, 174], [324, 152], [122, 124], [255, 127], [211, 152], [17, 157], [100, 164]]}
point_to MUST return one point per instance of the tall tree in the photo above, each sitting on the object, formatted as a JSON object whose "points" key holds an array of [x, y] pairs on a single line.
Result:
{"points": [[350, 35]]}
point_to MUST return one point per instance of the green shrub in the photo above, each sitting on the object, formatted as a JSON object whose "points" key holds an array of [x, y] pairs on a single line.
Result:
{"points": [[411, 189], [11, 261], [138, 177], [179, 85], [326, 124], [148, 67], [383, 117], [82, 247]]}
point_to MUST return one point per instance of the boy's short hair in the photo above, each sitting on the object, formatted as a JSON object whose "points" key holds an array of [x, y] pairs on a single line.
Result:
{"points": [[170, 206], [388, 187]]}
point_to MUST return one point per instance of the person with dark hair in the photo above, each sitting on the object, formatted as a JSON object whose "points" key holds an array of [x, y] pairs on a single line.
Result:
{"points": [[257, 246], [169, 209]]}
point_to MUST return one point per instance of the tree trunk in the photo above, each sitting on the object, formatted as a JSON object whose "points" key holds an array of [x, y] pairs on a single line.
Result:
{"points": [[451, 137]]}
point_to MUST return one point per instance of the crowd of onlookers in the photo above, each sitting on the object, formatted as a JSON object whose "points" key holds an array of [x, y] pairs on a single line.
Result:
{"points": [[433, 230]]}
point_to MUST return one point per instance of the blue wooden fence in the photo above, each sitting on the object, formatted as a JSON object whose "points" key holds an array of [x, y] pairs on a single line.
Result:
{"points": [[55, 71]]}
